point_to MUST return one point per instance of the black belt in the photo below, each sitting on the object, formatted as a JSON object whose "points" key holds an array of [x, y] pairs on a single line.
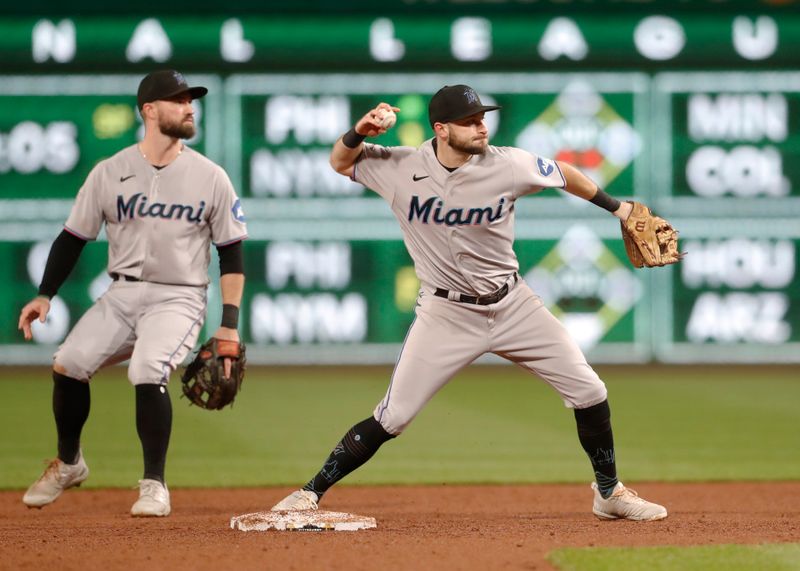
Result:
{"points": [[487, 299], [116, 277]]}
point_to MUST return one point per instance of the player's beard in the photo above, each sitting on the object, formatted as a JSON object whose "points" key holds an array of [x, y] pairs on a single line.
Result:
{"points": [[178, 129], [466, 145]]}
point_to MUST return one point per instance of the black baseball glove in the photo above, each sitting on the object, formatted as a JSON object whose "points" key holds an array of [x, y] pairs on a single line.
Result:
{"points": [[204, 380]]}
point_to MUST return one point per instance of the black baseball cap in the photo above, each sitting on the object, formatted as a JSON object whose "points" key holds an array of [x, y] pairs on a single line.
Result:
{"points": [[164, 84], [454, 102]]}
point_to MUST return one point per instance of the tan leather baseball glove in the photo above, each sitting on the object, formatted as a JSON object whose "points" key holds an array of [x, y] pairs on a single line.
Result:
{"points": [[649, 240]]}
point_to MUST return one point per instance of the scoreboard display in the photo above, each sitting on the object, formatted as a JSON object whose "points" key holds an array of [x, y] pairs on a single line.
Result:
{"points": [[696, 115], [54, 129]]}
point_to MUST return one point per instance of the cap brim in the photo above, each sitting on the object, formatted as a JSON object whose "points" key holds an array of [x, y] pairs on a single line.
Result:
{"points": [[475, 111], [195, 92]]}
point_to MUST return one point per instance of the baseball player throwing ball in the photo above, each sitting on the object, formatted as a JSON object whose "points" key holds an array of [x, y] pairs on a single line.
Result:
{"points": [[162, 205], [454, 198]]}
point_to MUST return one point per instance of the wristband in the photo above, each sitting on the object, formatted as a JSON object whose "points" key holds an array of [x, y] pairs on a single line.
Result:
{"points": [[352, 139], [604, 200], [230, 316]]}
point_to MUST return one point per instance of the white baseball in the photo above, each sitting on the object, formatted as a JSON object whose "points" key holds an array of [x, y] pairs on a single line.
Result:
{"points": [[386, 118]]}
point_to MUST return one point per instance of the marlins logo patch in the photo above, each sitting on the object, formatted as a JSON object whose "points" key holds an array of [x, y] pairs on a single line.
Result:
{"points": [[237, 211], [470, 96], [546, 166]]}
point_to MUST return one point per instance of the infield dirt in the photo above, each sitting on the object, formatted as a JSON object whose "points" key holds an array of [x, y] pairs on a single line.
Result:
{"points": [[419, 527]]}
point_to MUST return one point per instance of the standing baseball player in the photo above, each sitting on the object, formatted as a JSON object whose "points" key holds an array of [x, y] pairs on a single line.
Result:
{"points": [[162, 204], [454, 198]]}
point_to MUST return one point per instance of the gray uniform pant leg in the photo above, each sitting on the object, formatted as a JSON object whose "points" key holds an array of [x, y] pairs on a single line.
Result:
{"points": [[530, 336], [156, 325], [104, 335], [166, 331], [444, 338]]}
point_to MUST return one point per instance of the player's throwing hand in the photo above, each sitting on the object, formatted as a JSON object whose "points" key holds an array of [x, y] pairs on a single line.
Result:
{"points": [[377, 121]]}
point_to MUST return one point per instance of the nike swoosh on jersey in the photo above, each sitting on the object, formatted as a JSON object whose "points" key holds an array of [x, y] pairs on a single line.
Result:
{"points": [[124, 178], [419, 178]]}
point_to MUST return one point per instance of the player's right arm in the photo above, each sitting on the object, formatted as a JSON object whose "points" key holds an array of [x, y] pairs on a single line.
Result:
{"points": [[347, 149], [64, 254], [83, 224]]}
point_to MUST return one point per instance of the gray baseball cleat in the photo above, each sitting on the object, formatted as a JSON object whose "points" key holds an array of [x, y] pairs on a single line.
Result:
{"points": [[297, 501], [57, 477], [153, 500], [624, 503]]}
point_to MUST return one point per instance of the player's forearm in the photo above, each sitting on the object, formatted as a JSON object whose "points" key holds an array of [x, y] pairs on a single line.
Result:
{"points": [[344, 157], [578, 183], [232, 287], [582, 186], [64, 254], [231, 284]]}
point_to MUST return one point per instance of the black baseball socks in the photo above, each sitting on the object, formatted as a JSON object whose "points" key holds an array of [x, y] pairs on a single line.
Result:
{"points": [[71, 402], [359, 445], [594, 432], [153, 424]]}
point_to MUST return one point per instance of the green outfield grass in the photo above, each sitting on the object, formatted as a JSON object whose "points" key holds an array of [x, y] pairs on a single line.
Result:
{"points": [[490, 424], [781, 557]]}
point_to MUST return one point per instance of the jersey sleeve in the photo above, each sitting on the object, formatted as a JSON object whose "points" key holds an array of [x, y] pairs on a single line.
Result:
{"points": [[533, 173], [227, 216], [86, 217], [378, 168]]}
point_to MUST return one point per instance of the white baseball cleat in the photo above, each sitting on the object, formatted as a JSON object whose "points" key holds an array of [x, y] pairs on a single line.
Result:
{"points": [[624, 503], [153, 500], [297, 501], [57, 477]]}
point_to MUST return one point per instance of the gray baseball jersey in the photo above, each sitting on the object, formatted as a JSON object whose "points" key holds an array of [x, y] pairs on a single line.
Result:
{"points": [[458, 226], [159, 222], [459, 230]]}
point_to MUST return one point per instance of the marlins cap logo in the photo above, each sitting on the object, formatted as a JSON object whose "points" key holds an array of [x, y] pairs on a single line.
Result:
{"points": [[545, 166], [470, 96]]}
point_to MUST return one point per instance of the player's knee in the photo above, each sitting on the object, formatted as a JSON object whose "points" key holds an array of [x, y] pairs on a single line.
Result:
{"points": [[600, 394], [592, 396], [392, 424], [67, 382], [371, 433], [393, 416], [137, 380], [145, 372], [68, 367]]}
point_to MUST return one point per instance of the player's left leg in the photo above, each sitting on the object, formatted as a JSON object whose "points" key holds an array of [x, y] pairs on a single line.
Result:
{"points": [[101, 336], [444, 337], [165, 333], [530, 336], [358, 445]]}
